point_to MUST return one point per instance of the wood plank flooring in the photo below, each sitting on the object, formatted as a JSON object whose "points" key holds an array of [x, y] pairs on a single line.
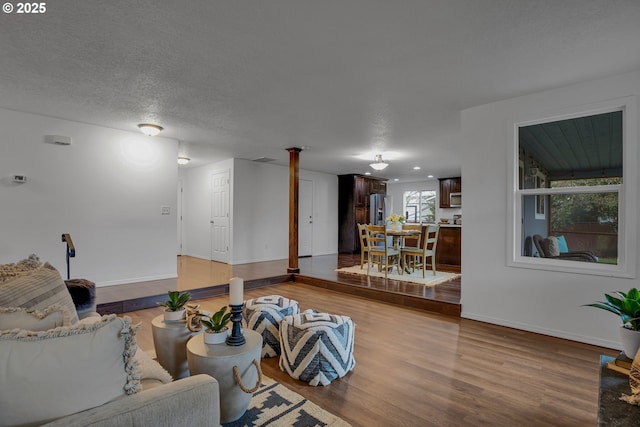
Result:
{"points": [[205, 278], [415, 368]]}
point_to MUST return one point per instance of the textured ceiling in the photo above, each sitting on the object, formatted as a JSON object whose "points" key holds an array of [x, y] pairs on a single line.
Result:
{"points": [[347, 79]]}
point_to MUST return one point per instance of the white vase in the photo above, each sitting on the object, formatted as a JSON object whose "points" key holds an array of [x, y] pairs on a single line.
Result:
{"points": [[630, 341], [173, 316], [396, 226], [216, 337]]}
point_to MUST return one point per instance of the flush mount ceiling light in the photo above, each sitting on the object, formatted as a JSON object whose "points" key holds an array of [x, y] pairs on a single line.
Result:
{"points": [[183, 160], [149, 129], [379, 164]]}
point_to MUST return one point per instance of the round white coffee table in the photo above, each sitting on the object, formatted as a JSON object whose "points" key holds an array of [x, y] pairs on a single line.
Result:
{"points": [[170, 342], [219, 360]]}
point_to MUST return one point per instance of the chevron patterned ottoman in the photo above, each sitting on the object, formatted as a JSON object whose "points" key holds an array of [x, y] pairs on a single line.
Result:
{"points": [[264, 315], [317, 348]]}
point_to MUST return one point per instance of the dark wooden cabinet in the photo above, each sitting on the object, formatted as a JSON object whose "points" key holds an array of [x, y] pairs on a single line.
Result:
{"points": [[353, 207], [449, 249], [448, 186]]}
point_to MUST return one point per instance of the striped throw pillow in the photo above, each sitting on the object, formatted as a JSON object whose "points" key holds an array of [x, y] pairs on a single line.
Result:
{"points": [[37, 290]]}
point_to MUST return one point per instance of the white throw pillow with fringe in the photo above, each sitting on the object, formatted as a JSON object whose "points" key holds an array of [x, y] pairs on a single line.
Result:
{"points": [[50, 374]]}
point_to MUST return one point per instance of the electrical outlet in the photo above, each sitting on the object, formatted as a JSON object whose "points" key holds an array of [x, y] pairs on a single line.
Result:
{"points": [[165, 210]]}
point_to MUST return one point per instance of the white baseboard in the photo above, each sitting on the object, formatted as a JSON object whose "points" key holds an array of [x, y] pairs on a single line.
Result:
{"points": [[544, 331], [137, 279]]}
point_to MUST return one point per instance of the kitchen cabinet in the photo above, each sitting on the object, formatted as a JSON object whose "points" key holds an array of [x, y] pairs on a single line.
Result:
{"points": [[353, 207], [449, 249], [448, 186]]}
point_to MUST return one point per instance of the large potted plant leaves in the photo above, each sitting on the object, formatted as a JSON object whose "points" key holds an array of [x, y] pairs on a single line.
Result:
{"points": [[627, 307], [175, 305]]}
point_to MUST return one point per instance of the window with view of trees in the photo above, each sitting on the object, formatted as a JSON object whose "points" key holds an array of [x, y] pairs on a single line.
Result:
{"points": [[570, 193], [590, 220], [419, 206]]}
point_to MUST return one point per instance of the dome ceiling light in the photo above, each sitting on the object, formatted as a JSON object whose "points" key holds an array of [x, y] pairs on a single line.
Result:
{"points": [[183, 160], [379, 164], [150, 129]]}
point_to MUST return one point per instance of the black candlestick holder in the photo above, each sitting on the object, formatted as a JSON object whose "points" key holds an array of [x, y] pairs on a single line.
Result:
{"points": [[236, 338]]}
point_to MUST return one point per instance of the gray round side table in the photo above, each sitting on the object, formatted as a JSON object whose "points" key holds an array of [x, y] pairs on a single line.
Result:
{"points": [[170, 342], [219, 360]]}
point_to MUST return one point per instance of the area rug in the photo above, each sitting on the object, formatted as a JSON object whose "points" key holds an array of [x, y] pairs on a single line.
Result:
{"points": [[275, 405], [415, 277]]}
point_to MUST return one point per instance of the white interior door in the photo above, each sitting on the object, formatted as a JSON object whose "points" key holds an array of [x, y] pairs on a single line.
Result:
{"points": [[305, 218], [220, 217]]}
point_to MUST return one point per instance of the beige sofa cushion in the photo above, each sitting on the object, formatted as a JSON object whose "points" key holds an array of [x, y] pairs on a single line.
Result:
{"points": [[50, 374], [37, 289], [34, 320]]}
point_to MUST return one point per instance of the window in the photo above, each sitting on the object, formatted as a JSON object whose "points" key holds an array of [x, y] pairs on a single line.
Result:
{"points": [[419, 206], [540, 182], [569, 185]]}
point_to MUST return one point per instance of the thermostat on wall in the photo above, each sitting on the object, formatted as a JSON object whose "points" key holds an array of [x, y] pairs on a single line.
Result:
{"points": [[19, 178], [57, 139]]}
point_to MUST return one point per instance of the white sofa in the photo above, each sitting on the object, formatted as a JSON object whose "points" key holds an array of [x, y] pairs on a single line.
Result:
{"points": [[58, 370]]}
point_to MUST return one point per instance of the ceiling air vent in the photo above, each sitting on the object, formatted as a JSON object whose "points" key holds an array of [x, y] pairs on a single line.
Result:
{"points": [[263, 160]]}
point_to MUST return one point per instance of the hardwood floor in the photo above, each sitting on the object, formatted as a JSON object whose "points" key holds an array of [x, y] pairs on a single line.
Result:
{"points": [[415, 368], [205, 278]]}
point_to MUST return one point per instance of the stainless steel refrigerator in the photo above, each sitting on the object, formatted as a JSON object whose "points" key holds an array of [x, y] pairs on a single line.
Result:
{"points": [[380, 206]]}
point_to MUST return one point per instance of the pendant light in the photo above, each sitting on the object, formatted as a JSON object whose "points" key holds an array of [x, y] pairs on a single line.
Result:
{"points": [[379, 164]]}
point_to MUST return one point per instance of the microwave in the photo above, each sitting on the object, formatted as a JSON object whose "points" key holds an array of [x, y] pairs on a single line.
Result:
{"points": [[455, 200]]}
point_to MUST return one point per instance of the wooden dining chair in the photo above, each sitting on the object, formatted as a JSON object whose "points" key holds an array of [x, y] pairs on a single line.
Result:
{"points": [[413, 241], [381, 250], [428, 250], [364, 245]]}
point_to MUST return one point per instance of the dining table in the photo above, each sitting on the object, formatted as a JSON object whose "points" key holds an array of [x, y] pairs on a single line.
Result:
{"points": [[398, 241]]}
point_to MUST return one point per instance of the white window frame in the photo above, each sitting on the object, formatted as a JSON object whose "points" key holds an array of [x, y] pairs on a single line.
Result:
{"points": [[627, 196], [435, 202], [541, 201]]}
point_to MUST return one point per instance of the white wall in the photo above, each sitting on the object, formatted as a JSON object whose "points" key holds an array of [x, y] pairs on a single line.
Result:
{"points": [[106, 190], [259, 211], [540, 301], [397, 189]]}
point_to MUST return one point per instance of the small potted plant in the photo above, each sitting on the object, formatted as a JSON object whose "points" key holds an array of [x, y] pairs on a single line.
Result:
{"points": [[175, 305], [216, 329], [396, 221], [627, 307]]}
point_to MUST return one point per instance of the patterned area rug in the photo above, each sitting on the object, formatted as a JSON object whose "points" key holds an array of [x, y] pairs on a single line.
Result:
{"points": [[275, 405], [415, 277]]}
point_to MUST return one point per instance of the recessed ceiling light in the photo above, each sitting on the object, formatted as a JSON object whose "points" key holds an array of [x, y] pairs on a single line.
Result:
{"points": [[429, 176], [396, 179], [150, 129], [367, 173], [416, 168]]}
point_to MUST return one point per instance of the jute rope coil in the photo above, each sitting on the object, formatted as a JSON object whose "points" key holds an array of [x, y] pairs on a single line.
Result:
{"points": [[236, 375], [193, 318]]}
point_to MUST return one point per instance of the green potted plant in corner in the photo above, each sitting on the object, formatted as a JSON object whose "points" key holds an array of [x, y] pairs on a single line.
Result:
{"points": [[216, 329], [175, 305], [627, 307]]}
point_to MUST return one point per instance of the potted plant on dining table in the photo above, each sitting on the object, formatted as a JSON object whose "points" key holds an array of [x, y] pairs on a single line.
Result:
{"points": [[395, 221]]}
